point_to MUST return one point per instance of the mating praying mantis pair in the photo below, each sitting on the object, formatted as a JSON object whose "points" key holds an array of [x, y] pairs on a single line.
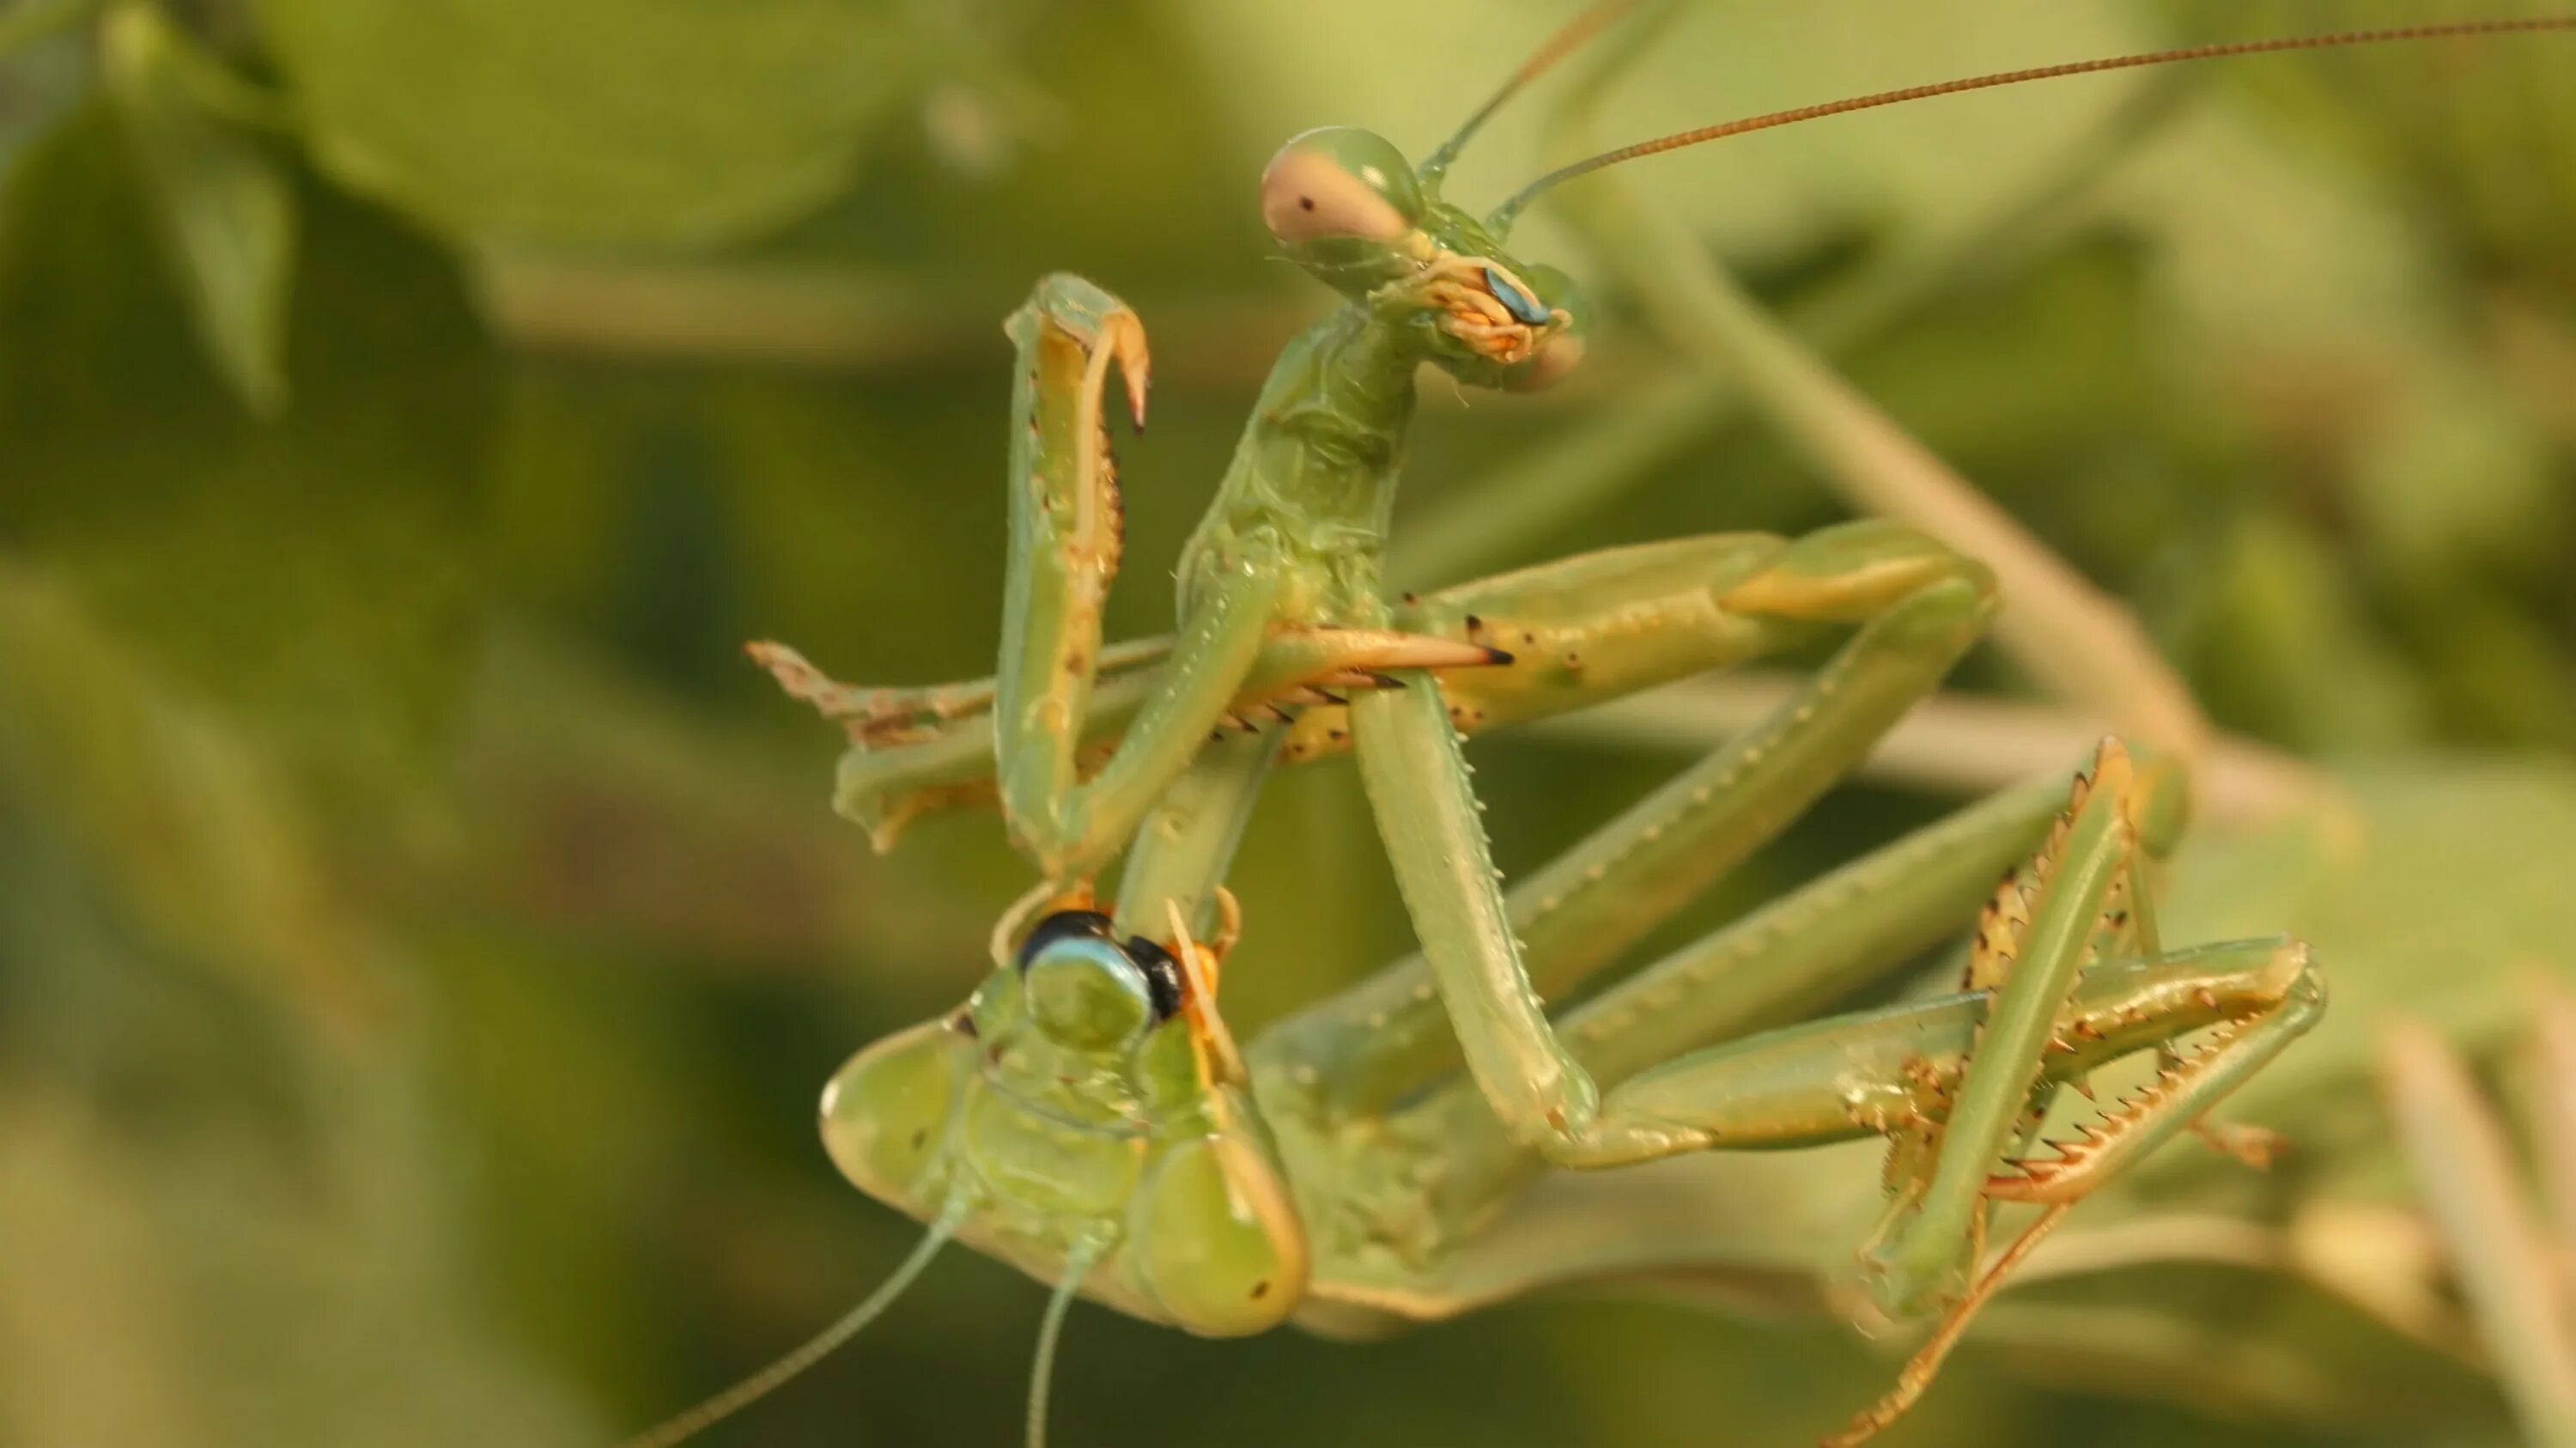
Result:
{"points": [[1088, 1117]]}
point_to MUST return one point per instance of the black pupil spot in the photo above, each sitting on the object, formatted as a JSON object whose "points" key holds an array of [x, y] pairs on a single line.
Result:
{"points": [[1307, 202], [919, 1136], [1260, 1290]]}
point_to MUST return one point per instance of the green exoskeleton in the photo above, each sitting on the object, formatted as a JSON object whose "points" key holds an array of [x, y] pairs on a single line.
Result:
{"points": [[1087, 1117]]}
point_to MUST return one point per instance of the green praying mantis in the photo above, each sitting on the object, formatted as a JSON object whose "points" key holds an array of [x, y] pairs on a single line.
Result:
{"points": [[1088, 1117]]}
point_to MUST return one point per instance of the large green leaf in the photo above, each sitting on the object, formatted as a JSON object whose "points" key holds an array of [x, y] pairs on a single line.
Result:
{"points": [[637, 121]]}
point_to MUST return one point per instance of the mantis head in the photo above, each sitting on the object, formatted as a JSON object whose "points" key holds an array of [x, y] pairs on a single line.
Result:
{"points": [[1353, 212], [1084, 1118]]}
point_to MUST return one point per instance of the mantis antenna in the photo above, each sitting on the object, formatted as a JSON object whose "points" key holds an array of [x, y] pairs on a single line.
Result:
{"points": [[1077, 1266], [1501, 219], [760, 1384], [1565, 42]]}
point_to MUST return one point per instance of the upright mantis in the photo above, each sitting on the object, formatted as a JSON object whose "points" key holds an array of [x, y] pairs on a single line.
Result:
{"points": [[1087, 1116]]}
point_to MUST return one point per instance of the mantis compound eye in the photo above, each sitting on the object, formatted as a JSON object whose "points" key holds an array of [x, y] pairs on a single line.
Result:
{"points": [[1217, 1240], [1523, 306], [1086, 990], [1339, 183], [1544, 291], [886, 1113]]}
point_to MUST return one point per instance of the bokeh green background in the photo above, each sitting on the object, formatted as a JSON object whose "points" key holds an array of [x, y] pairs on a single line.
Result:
{"points": [[422, 936]]}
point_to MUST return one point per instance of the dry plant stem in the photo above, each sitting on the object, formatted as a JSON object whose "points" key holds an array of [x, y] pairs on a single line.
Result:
{"points": [[2506, 1268], [1949, 744], [2553, 1115], [2077, 642]]}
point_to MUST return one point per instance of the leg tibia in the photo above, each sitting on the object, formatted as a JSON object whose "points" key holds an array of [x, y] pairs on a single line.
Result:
{"points": [[2187, 1083], [2045, 925], [1895, 1070], [879, 717], [1800, 953]]}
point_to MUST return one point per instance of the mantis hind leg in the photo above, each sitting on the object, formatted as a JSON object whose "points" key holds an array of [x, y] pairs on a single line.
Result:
{"points": [[1746, 1225], [1921, 1076]]}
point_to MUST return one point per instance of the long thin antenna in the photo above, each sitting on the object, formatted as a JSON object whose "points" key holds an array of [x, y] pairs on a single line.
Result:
{"points": [[760, 1384], [1581, 28], [1503, 215], [1077, 1266]]}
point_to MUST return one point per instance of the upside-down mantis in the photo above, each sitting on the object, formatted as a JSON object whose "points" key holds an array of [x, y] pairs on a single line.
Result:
{"points": [[1088, 1117]]}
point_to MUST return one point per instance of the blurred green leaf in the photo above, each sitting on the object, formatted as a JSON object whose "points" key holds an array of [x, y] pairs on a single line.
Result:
{"points": [[2482, 131], [313, 572], [164, 798], [36, 20], [44, 67], [226, 208], [659, 122]]}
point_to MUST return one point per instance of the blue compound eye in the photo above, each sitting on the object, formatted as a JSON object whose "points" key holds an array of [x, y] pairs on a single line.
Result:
{"points": [[1084, 936], [1523, 307]]}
